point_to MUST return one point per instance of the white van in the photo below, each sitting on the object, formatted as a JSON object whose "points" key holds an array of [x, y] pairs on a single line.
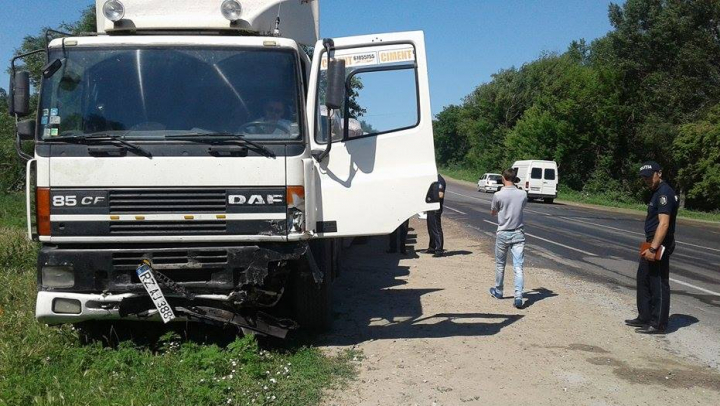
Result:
{"points": [[538, 178]]}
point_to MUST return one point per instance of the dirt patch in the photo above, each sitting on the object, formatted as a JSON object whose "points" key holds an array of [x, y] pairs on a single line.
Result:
{"points": [[430, 333], [666, 374]]}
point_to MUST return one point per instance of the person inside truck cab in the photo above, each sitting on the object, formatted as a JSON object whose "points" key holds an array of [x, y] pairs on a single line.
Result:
{"points": [[273, 119]]}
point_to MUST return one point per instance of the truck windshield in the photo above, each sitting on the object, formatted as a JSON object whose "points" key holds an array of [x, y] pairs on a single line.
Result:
{"points": [[153, 93]]}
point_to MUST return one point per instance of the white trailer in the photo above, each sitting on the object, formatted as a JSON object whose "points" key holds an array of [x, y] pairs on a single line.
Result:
{"points": [[188, 136]]}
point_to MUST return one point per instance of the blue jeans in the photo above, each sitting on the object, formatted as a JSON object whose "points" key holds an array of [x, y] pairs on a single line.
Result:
{"points": [[515, 240]]}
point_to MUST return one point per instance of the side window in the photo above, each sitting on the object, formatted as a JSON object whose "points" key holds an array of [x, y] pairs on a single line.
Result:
{"points": [[536, 173], [549, 174], [383, 101], [381, 96]]}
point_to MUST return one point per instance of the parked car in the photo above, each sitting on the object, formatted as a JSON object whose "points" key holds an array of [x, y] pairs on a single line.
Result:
{"points": [[489, 182], [538, 178]]}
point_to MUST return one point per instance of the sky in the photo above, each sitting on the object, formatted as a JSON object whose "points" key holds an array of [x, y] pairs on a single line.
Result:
{"points": [[467, 40]]}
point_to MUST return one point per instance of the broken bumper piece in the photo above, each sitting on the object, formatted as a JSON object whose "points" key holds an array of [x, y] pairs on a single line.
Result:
{"points": [[66, 307]]}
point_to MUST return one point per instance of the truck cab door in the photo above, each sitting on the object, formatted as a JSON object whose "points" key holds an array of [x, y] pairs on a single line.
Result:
{"points": [[381, 165]]}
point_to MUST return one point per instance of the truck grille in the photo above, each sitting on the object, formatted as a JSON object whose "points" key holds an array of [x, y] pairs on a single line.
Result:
{"points": [[179, 265], [167, 227], [155, 201]]}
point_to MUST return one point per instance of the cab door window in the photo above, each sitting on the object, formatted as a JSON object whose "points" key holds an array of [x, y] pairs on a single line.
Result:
{"points": [[381, 93]]}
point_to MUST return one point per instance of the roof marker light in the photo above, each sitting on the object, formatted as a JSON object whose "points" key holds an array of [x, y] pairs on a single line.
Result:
{"points": [[231, 10], [113, 10]]}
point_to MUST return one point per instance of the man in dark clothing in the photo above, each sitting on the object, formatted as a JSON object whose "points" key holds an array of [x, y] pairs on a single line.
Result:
{"points": [[653, 276], [434, 223], [401, 232]]}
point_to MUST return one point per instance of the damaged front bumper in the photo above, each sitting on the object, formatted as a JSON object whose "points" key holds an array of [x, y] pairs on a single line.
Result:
{"points": [[226, 284], [54, 308]]}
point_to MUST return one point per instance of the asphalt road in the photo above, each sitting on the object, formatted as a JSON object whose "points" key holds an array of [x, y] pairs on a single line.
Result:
{"points": [[603, 246]]}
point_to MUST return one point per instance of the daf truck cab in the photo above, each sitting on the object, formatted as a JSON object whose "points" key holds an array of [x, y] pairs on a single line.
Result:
{"points": [[192, 161]]}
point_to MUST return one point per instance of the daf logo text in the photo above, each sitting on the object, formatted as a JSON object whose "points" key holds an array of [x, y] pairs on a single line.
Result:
{"points": [[256, 199]]}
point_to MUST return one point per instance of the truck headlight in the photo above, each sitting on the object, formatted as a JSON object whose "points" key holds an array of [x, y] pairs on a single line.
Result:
{"points": [[231, 10], [58, 276], [113, 10]]}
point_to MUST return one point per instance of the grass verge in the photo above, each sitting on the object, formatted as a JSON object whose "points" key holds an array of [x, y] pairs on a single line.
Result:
{"points": [[56, 366], [12, 210], [568, 195]]}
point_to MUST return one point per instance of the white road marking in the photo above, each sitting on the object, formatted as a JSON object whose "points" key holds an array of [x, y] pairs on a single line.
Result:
{"points": [[695, 287], [552, 242], [603, 226], [455, 210], [594, 255], [600, 225], [634, 232], [538, 212], [469, 197]]}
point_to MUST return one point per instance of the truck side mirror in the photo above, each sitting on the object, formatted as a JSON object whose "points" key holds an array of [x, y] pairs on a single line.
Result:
{"points": [[335, 93], [19, 97], [26, 130]]}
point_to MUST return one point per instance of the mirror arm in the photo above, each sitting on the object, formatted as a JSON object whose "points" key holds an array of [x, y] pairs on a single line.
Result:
{"points": [[325, 153], [21, 56], [328, 44], [18, 145]]}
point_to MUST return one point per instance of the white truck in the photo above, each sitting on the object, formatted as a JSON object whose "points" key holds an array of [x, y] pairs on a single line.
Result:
{"points": [[538, 178], [182, 169]]}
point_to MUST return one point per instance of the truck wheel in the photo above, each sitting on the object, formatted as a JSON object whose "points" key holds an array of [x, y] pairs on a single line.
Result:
{"points": [[312, 301], [548, 200]]}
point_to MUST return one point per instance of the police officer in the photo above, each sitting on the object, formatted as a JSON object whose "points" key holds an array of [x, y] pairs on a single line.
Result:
{"points": [[434, 223], [653, 276]]}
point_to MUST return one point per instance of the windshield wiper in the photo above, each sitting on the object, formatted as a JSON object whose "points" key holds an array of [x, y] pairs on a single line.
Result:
{"points": [[100, 137], [220, 137]]}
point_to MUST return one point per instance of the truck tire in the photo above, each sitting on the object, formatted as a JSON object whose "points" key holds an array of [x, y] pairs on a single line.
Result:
{"points": [[312, 302], [548, 200]]}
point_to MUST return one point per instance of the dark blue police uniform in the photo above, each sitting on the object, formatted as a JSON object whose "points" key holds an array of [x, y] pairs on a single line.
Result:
{"points": [[653, 277], [434, 223]]}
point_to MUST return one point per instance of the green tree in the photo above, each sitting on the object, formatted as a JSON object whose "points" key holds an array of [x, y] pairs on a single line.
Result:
{"points": [[644, 91], [697, 151], [450, 146], [667, 53]]}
